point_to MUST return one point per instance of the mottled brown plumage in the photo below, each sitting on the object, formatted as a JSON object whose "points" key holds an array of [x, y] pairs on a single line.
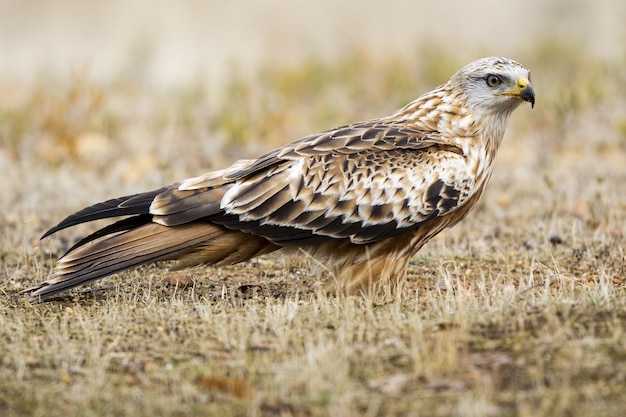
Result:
{"points": [[362, 198]]}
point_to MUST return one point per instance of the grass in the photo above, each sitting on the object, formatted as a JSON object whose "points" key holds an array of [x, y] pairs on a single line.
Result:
{"points": [[519, 310]]}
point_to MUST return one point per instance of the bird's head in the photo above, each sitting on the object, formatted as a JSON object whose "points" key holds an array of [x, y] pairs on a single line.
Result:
{"points": [[490, 89], [494, 84], [477, 101]]}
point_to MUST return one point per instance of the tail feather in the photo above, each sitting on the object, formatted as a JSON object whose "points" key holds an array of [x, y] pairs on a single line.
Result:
{"points": [[147, 243], [119, 226]]}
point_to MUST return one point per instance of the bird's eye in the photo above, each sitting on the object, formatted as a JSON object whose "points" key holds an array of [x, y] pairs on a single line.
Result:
{"points": [[493, 80]]}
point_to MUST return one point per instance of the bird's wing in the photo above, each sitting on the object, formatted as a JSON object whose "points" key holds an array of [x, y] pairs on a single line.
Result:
{"points": [[115, 207], [364, 182]]}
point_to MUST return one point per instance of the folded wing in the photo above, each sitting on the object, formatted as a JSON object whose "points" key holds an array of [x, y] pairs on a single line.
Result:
{"points": [[360, 183]]}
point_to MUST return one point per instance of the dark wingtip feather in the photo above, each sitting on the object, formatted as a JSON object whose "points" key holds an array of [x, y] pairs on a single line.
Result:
{"points": [[116, 207]]}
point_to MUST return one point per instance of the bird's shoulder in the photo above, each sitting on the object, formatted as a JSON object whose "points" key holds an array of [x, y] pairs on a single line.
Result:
{"points": [[375, 135]]}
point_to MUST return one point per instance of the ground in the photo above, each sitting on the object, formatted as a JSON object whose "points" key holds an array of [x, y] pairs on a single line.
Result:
{"points": [[519, 310]]}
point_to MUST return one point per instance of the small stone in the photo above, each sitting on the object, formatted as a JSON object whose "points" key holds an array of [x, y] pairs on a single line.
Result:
{"points": [[556, 240]]}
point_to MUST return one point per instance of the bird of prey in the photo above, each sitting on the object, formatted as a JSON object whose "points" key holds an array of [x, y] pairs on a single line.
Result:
{"points": [[361, 198]]}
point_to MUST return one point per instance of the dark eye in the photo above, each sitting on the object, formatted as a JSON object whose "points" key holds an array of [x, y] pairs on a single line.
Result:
{"points": [[493, 80]]}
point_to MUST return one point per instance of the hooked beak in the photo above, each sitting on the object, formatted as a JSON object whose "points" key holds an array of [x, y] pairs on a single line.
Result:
{"points": [[524, 91]]}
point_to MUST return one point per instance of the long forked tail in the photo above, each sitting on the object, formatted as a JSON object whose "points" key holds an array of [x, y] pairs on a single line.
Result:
{"points": [[147, 243], [193, 243]]}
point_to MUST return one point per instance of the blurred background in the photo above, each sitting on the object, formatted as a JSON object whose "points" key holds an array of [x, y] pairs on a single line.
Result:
{"points": [[174, 42]]}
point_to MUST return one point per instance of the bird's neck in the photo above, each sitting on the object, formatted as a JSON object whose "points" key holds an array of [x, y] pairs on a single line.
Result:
{"points": [[439, 111], [477, 133]]}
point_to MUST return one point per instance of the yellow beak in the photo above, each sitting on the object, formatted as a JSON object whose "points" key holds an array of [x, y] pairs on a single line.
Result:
{"points": [[524, 91]]}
